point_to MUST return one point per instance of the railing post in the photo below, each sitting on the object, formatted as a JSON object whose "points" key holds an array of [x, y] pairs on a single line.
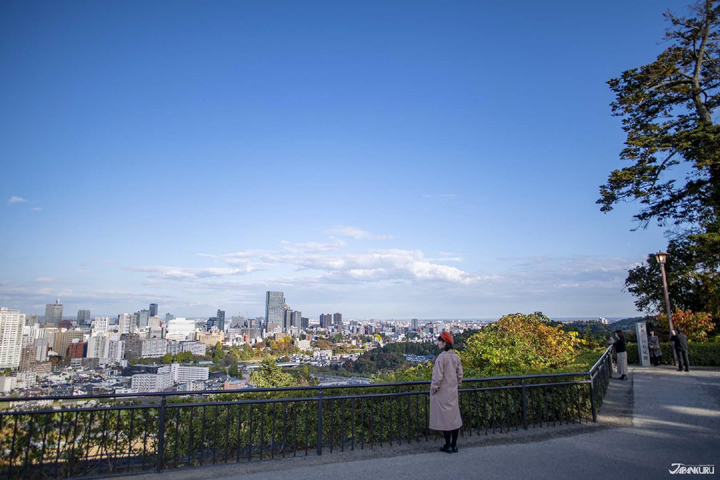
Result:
{"points": [[524, 404], [592, 398], [320, 425], [161, 435]]}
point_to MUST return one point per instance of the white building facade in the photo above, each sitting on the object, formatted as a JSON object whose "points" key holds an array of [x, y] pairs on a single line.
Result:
{"points": [[11, 331]]}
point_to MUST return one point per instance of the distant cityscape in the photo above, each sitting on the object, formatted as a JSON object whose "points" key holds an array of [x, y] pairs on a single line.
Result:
{"points": [[147, 352]]}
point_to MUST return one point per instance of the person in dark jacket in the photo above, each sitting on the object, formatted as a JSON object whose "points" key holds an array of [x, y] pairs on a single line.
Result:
{"points": [[681, 347], [655, 351], [621, 350]]}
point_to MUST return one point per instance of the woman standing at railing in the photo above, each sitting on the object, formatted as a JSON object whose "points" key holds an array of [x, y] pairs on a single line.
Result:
{"points": [[444, 407], [620, 348]]}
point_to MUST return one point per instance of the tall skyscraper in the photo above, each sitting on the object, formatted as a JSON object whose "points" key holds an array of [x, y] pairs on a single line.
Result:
{"points": [[153, 309], [295, 319], [287, 318], [414, 324], [142, 319], [221, 320], [53, 313], [337, 319], [11, 329], [83, 317], [274, 308], [325, 320]]}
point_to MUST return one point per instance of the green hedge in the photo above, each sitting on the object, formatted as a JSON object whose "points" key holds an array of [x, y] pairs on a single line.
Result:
{"points": [[701, 354]]}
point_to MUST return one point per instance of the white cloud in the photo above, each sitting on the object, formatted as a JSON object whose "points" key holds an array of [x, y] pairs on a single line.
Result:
{"points": [[184, 273], [314, 247], [357, 233], [15, 199], [45, 280], [37, 209], [392, 264]]}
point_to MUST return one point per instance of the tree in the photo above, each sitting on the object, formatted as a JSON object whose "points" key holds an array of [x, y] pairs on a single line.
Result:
{"points": [[233, 371], [695, 325], [667, 110], [519, 343], [690, 288], [167, 358], [219, 354], [271, 375]]}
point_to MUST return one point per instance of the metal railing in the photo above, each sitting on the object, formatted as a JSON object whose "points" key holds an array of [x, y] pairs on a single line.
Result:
{"points": [[98, 436]]}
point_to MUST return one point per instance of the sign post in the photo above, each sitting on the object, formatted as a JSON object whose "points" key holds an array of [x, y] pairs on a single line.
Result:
{"points": [[642, 341]]}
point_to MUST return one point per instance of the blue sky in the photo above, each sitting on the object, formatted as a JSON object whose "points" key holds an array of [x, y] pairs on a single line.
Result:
{"points": [[381, 159]]}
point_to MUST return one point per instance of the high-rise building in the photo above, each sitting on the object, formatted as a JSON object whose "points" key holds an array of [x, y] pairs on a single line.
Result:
{"points": [[100, 325], [64, 339], [153, 309], [414, 325], [142, 318], [83, 317], [133, 345], [221, 320], [96, 345], [76, 348], [168, 317], [274, 308], [304, 323], [126, 323], [154, 347], [211, 323], [11, 330], [180, 329], [295, 319], [337, 319], [155, 323], [325, 320], [113, 351], [287, 317], [53, 313]]}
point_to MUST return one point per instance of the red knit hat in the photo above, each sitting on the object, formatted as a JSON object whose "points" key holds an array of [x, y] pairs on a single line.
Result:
{"points": [[446, 337]]}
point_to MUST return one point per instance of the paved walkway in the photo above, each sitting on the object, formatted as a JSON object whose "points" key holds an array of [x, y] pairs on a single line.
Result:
{"points": [[658, 418]]}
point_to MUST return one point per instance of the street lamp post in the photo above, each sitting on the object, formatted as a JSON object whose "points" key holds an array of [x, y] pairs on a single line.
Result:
{"points": [[661, 257]]}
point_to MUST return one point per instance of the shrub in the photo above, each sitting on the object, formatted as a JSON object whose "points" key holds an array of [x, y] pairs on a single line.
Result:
{"points": [[700, 354]]}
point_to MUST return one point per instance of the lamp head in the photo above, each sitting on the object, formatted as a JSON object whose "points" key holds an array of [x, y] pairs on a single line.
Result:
{"points": [[661, 257]]}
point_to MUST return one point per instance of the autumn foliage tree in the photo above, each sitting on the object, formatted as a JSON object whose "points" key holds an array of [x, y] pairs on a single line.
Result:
{"points": [[695, 325], [519, 343]]}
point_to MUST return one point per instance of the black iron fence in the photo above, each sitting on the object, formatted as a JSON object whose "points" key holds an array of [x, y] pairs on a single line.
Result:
{"points": [[107, 435]]}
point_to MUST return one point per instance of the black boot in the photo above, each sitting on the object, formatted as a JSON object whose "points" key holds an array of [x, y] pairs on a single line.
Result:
{"points": [[446, 448]]}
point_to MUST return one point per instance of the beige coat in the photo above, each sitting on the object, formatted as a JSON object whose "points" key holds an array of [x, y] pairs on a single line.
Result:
{"points": [[446, 378]]}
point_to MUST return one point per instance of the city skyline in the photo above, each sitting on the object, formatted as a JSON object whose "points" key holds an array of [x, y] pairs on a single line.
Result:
{"points": [[381, 160]]}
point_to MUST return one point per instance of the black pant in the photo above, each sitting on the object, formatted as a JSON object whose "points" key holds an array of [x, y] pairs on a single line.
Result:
{"points": [[451, 437], [683, 360]]}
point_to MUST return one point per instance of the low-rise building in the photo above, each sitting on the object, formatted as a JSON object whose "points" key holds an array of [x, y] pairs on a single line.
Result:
{"points": [[183, 374], [147, 382]]}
